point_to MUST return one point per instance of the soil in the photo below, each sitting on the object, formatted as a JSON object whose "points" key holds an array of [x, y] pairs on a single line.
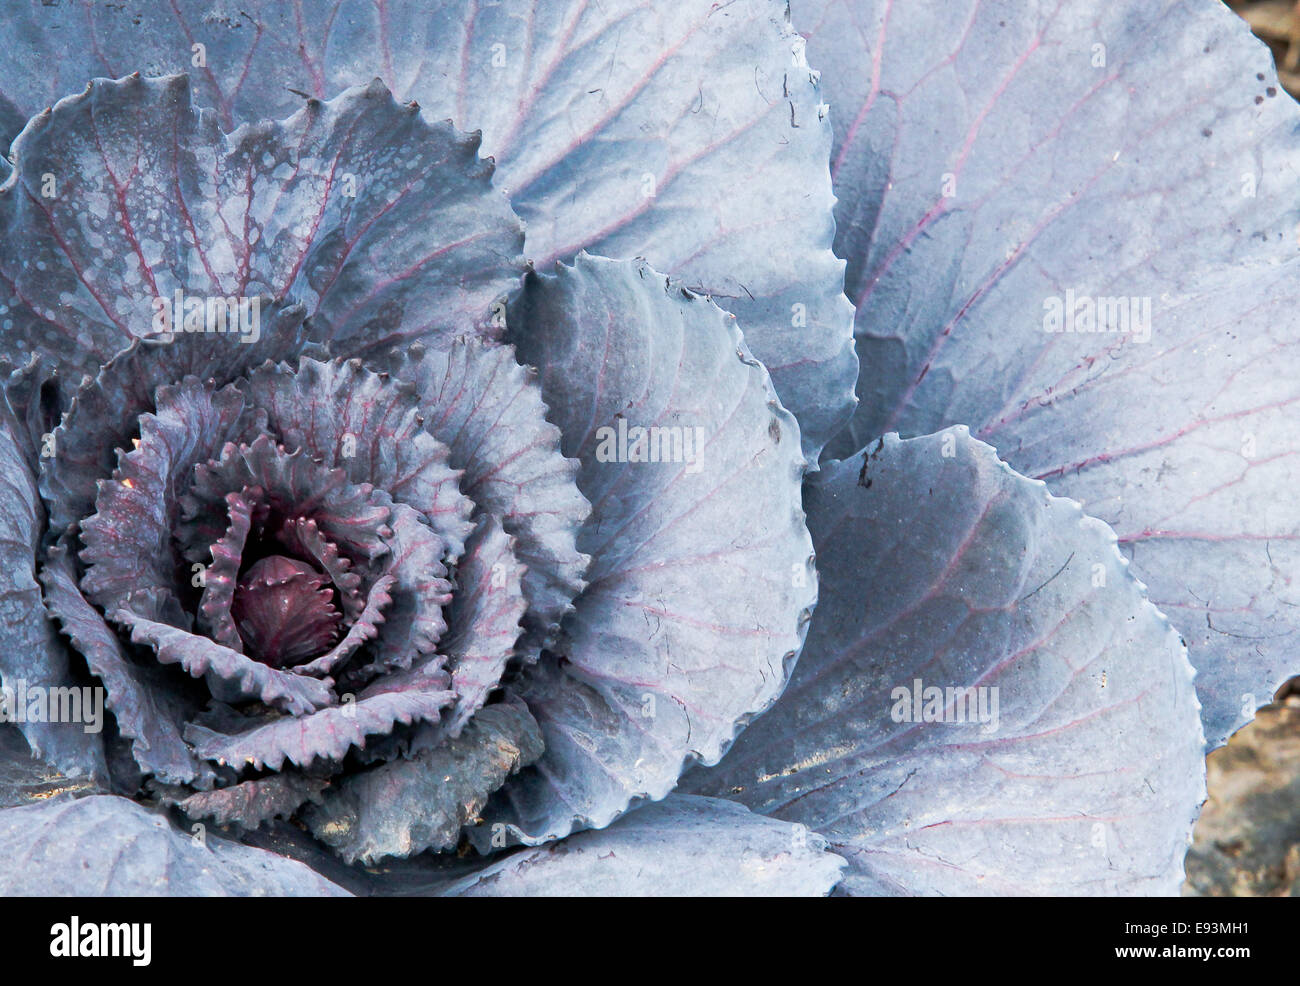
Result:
{"points": [[1247, 841]]}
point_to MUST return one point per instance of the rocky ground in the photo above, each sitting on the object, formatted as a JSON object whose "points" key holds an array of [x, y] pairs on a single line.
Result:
{"points": [[1247, 842]]}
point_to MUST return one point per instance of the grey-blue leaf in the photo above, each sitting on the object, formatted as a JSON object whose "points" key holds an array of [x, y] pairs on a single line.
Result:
{"points": [[33, 660], [1064, 224], [701, 578], [144, 705], [987, 702], [105, 846], [152, 209], [683, 846], [484, 620], [406, 806], [619, 127]]}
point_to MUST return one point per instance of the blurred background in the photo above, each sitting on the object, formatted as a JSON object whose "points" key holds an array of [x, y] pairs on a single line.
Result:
{"points": [[1247, 842]]}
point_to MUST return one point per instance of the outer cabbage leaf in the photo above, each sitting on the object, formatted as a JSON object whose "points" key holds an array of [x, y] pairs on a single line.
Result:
{"points": [[106, 846], [31, 652], [1136, 161], [653, 671], [409, 805], [617, 127], [149, 198], [683, 846], [1071, 760]]}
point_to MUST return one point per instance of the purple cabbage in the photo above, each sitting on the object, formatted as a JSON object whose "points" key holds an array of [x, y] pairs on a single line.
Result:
{"points": [[844, 448]]}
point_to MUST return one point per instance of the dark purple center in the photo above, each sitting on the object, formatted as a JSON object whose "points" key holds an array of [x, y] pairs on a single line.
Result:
{"points": [[284, 610]]}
